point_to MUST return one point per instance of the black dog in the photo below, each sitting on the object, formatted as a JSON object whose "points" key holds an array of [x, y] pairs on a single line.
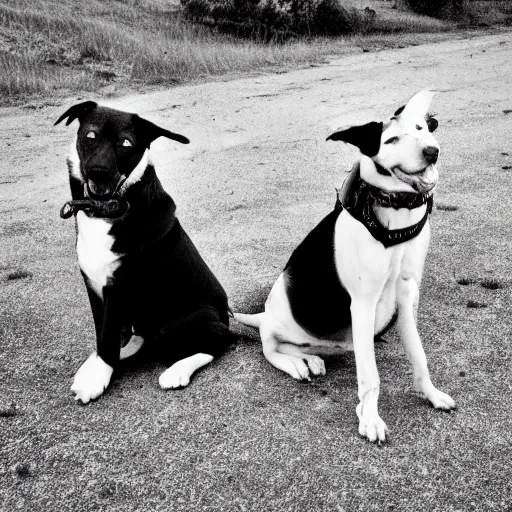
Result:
{"points": [[142, 272]]}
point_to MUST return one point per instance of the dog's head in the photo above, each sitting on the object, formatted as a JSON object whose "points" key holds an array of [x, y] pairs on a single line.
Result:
{"points": [[402, 149], [111, 144]]}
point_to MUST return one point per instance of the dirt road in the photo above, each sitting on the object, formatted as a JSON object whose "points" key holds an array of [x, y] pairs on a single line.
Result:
{"points": [[256, 177]]}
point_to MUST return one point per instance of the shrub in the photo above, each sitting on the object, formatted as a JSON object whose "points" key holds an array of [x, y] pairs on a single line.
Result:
{"points": [[438, 8], [279, 19]]}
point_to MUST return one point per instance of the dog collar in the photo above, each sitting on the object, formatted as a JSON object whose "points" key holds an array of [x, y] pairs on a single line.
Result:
{"points": [[390, 237], [361, 198], [114, 209]]}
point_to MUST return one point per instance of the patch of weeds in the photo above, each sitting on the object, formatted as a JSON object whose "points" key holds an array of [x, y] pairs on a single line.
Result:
{"points": [[507, 167], [492, 284], [465, 281], [107, 490], [508, 111], [18, 274], [473, 304], [447, 207], [108, 76]]}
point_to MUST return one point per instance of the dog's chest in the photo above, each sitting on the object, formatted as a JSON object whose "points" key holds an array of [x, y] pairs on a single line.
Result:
{"points": [[94, 249]]}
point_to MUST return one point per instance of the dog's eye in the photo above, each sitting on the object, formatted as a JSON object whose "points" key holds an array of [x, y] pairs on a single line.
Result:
{"points": [[418, 127], [126, 143], [91, 135], [392, 140]]}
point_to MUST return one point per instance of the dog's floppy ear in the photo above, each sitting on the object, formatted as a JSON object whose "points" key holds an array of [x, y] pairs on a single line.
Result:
{"points": [[366, 137], [399, 111], [150, 131], [77, 111]]}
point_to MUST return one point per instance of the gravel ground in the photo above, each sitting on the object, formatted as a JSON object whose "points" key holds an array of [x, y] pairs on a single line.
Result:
{"points": [[255, 179]]}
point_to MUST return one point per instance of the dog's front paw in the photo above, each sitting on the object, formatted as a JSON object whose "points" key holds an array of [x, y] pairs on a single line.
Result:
{"points": [[441, 400], [91, 379], [371, 426]]}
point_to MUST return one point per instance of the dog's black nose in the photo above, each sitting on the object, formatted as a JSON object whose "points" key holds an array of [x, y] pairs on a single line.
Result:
{"points": [[431, 153]]}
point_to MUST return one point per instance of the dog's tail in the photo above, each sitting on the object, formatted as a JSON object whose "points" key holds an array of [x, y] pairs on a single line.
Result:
{"points": [[250, 320], [132, 347]]}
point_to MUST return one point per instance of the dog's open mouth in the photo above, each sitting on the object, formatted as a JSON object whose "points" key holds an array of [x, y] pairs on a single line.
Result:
{"points": [[100, 191], [103, 191], [422, 181]]}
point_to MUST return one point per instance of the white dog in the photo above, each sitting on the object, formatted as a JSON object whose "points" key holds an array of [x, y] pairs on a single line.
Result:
{"points": [[360, 269]]}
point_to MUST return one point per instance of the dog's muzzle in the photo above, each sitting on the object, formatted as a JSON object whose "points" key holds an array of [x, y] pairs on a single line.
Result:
{"points": [[98, 188], [423, 181]]}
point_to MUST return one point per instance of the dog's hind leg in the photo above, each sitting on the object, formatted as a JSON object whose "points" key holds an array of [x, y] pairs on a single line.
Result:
{"points": [[315, 364], [294, 366], [191, 343], [408, 296], [178, 375]]}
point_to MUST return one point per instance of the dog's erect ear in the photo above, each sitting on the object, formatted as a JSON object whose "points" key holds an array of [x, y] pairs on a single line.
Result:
{"points": [[150, 131], [366, 137], [417, 106], [432, 123], [77, 111]]}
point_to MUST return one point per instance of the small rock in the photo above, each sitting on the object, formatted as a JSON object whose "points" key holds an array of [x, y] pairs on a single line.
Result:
{"points": [[23, 469], [447, 207], [475, 305], [8, 410]]}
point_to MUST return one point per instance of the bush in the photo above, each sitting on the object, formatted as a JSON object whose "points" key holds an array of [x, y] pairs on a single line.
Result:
{"points": [[279, 19], [332, 18], [437, 8]]}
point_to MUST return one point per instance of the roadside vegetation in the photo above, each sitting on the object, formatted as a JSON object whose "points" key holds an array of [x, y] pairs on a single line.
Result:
{"points": [[67, 47]]}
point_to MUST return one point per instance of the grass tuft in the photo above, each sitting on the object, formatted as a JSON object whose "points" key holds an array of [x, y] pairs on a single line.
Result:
{"points": [[492, 284], [473, 304], [18, 274]]}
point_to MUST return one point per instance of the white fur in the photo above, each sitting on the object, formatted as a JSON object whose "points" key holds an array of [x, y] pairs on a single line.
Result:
{"points": [[73, 162], [137, 173], [91, 379], [178, 375], [94, 250]]}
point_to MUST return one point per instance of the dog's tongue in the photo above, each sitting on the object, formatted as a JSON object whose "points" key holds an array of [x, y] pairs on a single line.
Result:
{"points": [[99, 189], [422, 182]]}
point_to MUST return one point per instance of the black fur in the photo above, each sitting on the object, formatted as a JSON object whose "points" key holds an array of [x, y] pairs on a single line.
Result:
{"points": [[319, 303], [162, 288], [366, 137]]}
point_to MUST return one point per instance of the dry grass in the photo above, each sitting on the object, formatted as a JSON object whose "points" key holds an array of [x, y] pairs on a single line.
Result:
{"points": [[60, 47]]}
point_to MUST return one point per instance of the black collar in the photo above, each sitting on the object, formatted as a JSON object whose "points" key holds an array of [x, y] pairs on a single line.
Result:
{"points": [[360, 199]]}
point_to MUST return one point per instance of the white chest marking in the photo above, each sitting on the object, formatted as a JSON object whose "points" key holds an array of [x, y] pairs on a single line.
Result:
{"points": [[94, 250]]}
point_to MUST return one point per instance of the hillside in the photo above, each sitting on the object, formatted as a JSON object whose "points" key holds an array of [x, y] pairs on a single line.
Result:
{"points": [[51, 47]]}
